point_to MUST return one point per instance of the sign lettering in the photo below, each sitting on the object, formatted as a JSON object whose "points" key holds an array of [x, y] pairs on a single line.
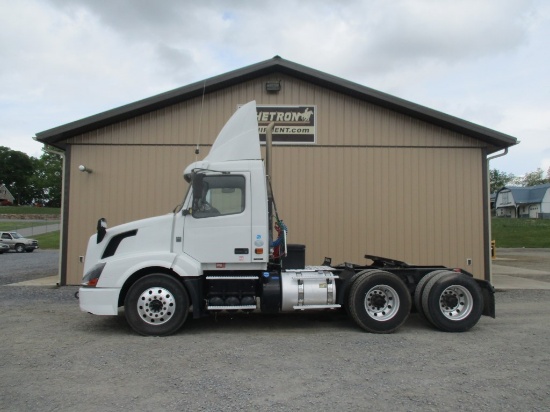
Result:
{"points": [[293, 124]]}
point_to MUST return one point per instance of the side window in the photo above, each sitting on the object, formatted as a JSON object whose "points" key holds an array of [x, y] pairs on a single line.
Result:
{"points": [[6, 236], [221, 195]]}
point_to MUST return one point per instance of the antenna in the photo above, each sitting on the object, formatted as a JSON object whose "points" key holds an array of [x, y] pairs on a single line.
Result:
{"points": [[197, 149]]}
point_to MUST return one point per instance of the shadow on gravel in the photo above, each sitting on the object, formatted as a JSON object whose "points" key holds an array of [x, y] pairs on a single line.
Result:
{"points": [[254, 323]]}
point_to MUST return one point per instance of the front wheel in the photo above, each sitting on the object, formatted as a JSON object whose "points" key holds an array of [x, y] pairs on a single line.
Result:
{"points": [[156, 305], [379, 302], [19, 248]]}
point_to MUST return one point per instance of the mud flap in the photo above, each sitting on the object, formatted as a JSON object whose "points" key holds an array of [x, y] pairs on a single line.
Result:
{"points": [[488, 298], [194, 289]]}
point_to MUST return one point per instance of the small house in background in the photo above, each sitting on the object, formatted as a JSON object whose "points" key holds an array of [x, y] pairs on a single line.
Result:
{"points": [[6, 198], [526, 202], [493, 198]]}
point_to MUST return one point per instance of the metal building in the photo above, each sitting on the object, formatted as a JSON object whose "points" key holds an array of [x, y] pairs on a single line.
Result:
{"points": [[355, 170]]}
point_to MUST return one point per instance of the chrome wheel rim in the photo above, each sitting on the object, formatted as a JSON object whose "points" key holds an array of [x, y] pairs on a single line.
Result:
{"points": [[156, 306], [382, 302], [456, 302]]}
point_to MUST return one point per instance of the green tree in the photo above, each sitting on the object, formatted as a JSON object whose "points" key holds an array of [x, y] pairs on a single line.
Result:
{"points": [[47, 180], [533, 178], [498, 179], [16, 169]]}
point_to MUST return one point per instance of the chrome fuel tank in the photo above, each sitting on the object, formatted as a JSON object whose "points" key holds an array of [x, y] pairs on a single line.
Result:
{"points": [[309, 288]]}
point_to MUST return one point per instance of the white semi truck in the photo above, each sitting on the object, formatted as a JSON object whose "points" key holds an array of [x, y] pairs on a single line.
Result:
{"points": [[224, 249]]}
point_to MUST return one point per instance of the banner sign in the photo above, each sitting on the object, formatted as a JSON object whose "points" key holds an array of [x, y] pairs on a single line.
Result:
{"points": [[293, 124]]}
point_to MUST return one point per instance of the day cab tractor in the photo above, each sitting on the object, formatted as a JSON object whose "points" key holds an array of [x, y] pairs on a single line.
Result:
{"points": [[224, 248]]}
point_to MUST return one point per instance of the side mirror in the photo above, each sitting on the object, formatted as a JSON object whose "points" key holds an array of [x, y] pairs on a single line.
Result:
{"points": [[101, 229], [197, 185]]}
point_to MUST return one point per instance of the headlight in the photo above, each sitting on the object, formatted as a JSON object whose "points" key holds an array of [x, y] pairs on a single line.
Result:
{"points": [[92, 277]]}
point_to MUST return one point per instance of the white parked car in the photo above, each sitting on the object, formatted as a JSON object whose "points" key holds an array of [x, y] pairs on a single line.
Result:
{"points": [[4, 248], [17, 242]]}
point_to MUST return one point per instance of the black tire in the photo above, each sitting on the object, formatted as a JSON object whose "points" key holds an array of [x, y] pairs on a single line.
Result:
{"points": [[420, 289], [452, 302], [156, 305], [351, 282], [19, 248], [379, 302]]}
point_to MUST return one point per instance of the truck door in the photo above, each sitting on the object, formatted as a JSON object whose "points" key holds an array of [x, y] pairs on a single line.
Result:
{"points": [[8, 239], [217, 228]]}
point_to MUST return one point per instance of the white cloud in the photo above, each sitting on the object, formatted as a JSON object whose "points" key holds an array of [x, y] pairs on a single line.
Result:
{"points": [[486, 62]]}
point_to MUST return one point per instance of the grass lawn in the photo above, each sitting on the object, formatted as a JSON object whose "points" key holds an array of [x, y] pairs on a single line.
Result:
{"points": [[534, 233], [29, 210], [48, 240]]}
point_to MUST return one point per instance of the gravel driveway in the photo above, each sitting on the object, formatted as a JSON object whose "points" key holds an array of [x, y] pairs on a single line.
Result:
{"points": [[18, 267], [55, 358]]}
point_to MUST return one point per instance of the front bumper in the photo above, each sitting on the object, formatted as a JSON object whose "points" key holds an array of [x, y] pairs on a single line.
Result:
{"points": [[99, 301]]}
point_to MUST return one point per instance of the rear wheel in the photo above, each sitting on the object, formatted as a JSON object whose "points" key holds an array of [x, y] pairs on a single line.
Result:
{"points": [[157, 305], [452, 302], [420, 289], [379, 302]]}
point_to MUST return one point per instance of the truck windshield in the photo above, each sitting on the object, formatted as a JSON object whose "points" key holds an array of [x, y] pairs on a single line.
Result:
{"points": [[16, 235]]}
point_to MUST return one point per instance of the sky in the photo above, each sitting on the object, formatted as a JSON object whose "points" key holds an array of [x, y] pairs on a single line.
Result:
{"points": [[485, 61]]}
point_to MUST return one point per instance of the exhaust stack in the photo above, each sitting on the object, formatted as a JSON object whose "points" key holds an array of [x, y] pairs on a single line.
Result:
{"points": [[268, 147]]}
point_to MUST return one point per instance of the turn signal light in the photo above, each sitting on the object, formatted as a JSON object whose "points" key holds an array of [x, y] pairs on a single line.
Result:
{"points": [[259, 250], [93, 282], [92, 277]]}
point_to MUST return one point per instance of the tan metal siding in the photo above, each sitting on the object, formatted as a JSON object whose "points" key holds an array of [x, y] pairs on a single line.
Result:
{"points": [[414, 205], [375, 182], [341, 120]]}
